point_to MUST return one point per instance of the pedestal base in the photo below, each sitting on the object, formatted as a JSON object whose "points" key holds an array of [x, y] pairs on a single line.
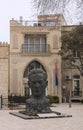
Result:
{"points": [[40, 116]]}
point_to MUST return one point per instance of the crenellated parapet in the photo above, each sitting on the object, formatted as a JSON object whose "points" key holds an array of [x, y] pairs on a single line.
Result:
{"points": [[4, 43]]}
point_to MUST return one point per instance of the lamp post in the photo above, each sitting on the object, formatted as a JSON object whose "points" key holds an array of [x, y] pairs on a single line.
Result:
{"points": [[64, 90], [70, 101], [70, 93]]}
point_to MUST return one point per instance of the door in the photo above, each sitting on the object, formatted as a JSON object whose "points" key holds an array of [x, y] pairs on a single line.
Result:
{"points": [[76, 87]]}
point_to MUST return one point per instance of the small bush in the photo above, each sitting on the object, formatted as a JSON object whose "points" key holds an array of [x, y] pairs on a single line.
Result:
{"points": [[56, 99], [81, 101], [17, 99], [50, 98], [53, 99]]}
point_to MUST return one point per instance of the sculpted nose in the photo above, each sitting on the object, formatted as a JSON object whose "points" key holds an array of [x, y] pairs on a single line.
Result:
{"points": [[37, 84]]}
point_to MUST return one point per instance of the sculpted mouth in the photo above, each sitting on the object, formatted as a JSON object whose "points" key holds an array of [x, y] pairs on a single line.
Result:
{"points": [[37, 91]]}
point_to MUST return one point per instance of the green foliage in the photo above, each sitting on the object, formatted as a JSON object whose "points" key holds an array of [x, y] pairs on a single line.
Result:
{"points": [[56, 99], [81, 101], [72, 47], [53, 99], [22, 99], [73, 40], [17, 99]]}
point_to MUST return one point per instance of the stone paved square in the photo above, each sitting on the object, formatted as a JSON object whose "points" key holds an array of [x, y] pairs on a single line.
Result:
{"points": [[10, 122]]}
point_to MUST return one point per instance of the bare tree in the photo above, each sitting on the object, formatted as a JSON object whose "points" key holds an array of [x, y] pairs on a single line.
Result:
{"points": [[44, 6], [80, 9], [69, 8]]}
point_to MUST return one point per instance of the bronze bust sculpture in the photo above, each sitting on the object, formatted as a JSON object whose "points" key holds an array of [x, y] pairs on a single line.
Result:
{"points": [[38, 103]]}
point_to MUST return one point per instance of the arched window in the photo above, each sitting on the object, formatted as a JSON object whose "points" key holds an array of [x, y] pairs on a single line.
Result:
{"points": [[33, 65]]}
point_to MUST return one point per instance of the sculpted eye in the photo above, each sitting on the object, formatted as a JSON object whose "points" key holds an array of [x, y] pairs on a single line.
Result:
{"points": [[39, 82], [33, 82]]}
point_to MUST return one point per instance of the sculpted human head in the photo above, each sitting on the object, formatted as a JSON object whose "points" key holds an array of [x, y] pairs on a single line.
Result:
{"points": [[37, 82]]}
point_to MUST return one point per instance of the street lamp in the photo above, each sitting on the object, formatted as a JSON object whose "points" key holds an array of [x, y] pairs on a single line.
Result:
{"points": [[70, 93]]}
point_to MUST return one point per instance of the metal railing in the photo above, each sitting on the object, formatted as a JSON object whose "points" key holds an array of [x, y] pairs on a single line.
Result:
{"points": [[34, 23], [76, 94], [35, 48]]}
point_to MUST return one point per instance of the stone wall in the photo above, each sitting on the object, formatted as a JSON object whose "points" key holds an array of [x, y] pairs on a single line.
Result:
{"points": [[4, 48]]}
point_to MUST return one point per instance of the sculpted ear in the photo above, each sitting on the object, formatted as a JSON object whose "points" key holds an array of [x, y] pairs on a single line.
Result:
{"points": [[46, 84]]}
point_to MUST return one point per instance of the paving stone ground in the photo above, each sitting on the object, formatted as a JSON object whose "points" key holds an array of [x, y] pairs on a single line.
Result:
{"points": [[10, 122]]}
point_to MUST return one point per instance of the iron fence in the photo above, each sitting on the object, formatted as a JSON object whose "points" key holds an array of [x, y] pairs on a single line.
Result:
{"points": [[76, 94], [35, 48]]}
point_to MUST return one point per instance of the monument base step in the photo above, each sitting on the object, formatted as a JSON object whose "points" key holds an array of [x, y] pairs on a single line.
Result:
{"points": [[40, 116]]}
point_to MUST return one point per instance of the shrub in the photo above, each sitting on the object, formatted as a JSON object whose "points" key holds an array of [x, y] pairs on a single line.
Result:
{"points": [[81, 101], [50, 98], [17, 99], [56, 99], [53, 99]]}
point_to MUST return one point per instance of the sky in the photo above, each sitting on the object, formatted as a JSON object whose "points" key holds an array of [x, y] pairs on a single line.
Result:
{"points": [[13, 9]]}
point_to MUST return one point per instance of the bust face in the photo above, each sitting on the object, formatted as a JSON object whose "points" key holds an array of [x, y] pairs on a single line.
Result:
{"points": [[37, 84]]}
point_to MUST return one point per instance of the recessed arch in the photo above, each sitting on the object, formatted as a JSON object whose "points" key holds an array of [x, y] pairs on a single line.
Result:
{"points": [[25, 76], [33, 65]]}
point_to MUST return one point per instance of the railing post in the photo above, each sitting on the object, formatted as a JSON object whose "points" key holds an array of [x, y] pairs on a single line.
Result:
{"points": [[70, 101], [0, 101]]}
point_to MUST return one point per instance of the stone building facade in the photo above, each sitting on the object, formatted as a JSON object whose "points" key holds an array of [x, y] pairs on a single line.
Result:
{"points": [[33, 45], [4, 68]]}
